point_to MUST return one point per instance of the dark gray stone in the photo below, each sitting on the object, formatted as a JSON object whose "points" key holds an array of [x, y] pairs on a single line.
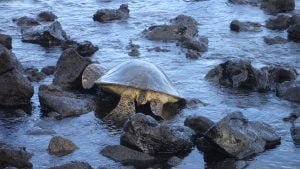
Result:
{"points": [[239, 26], [15, 88], [278, 22], [48, 70], [34, 75], [277, 6], [74, 165], [244, 2], [6, 41], [275, 40], [199, 44], [295, 19], [85, 48], [11, 156], [127, 156], [26, 21], [104, 15], [289, 90], [294, 33], [241, 138], [69, 69], [146, 134], [199, 124], [188, 22], [53, 98], [60, 146], [46, 16]]}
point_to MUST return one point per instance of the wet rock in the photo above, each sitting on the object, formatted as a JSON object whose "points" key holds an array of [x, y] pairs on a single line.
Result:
{"points": [[241, 138], [192, 54], [134, 49], [289, 90], [158, 49], [234, 73], [48, 70], [46, 16], [275, 40], [239, 26], [174, 161], [278, 22], [85, 48], [46, 35], [295, 19], [26, 21], [74, 165], [199, 44], [188, 22], [69, 69], [34, 75], [60, 146], [199, 124], [6, 41], [279, 74], [15, 89], [295, 132], [11, 156], [90, 74], [277, 6], [294, 33], [53, 98], [104, 15], [146, 134], [243, 2], [127, 156]]}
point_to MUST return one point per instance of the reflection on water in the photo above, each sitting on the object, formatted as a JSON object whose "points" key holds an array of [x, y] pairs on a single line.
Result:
{"points": [[214, 17]]}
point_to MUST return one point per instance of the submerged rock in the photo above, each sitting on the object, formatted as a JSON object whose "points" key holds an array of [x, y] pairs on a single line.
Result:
{"points": [[46, 16], [60, 146], [240, 138], [127, 156], [34, 75], [275, 40], [294, 33], [277, 6], [104, 15], [278, 22], [289, 90], [69, 69], [6, 41], [47, 35], [15, 89], [199, 124], [26, 21], [11, 156], [54, 99], [239, 26], [146, 134], [74, 165], [85, 48]]}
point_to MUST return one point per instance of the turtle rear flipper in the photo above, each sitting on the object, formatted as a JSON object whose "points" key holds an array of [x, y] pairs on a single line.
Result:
{"points": [[157, 108], [124, 109]]}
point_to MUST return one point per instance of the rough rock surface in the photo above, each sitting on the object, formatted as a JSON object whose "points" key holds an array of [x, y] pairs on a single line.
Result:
{"points": [[6, 41], [60, 146], [54, 99], [277, 6], [241, 138], [11, 156], [104, 15], [26, 21], [48, 70], [34, 75], [146, 134], [289, 90], [239, 26], [74, 165], [15, 88], [278, 22], [199, 124], [69, 69], [46, 16], [85, 48], [127, 156], [294, 33]]}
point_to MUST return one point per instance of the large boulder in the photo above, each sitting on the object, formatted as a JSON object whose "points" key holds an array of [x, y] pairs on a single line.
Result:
{"points": [[6, 41], [289, 90], [144, 133], [127, 156], [278, 22], [277, 6], [104, 15], [69, 69], [241, 138], [46, 35], [60, 146], [234, 73], [54, 99], [11, 156], [240, 26], [74, 165], [294, 32], [15, 88]]}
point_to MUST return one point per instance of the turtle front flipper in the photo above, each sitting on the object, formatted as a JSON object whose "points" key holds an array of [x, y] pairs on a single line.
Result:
{"points": [[157, 107], [124, 109]]}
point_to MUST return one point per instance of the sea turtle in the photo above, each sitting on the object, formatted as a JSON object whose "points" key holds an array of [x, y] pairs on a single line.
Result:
{"points": [[137, 82]]}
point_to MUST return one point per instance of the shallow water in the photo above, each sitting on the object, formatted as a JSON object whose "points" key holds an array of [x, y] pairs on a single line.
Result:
{"points": [[214, 17]]}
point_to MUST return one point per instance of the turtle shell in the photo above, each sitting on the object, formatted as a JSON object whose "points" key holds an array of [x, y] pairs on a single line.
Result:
{"points": [[140, 75]]}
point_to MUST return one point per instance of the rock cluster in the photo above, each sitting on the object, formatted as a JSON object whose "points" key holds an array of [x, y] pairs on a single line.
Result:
{"points": [[104, 15]]}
